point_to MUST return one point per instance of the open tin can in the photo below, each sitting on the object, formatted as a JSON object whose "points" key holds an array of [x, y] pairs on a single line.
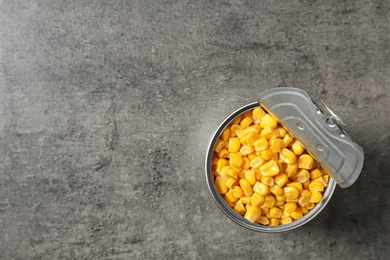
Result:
{"points": [[321, 132]]}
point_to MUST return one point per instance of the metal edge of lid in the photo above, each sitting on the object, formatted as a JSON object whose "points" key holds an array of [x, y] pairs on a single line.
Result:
{"points": [[321, 134]]}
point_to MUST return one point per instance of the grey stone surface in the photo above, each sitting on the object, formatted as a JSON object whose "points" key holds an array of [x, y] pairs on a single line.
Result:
{"points": [[107, 107]]}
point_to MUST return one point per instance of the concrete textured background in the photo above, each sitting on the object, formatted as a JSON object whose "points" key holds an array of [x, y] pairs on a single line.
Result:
{"points": [[107, 107]]}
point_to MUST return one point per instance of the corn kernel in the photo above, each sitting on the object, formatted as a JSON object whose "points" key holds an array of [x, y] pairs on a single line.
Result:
{"points": [[246, 163], [252, 213], [250, 177], [223, 154], [258, 112], [264, 210], [231, 204], [324, 179], [237, 192], [276, 190], [268, 133], [261, 188], [243, 139], [287, 156], [229, 196], [304, 198], [257, 199], [305, 161], [282, 131], [291, 170], [253, 128], [219, 145], [246, 114], [287, 139], [303, 210], [214, 162], [236, 120], [310, 206], [289, 207], [275, 212], [296, 184], [306, 184], [273, 222], [268, 121], [220, 185], [246, 187], [257, 173], [269, 201], [225, 134], [256, 162], [281, 198], [224, 171], [252, 156], [246, 149], [302, 176], [297, 213], [236, 160], [251, 138], [281, 179], [267, 154], [277, 143], [315, 197], [234, 145], [246, 121], [262, 220], [269, 181], [231, 172], [297, 148], [240, 133], [316, 186], [270, 168], [229, 182], [245, 200], [260, 144], [240, 209], [314, 174], [291, 193], [286, 220], [279, 203], [220, 164]]}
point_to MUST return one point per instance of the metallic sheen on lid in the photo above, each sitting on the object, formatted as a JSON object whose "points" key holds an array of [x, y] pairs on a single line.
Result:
{"points": [[320, 133]]}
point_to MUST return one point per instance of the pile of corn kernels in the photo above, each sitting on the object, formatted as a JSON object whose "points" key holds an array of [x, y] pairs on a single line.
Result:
{"points": [[263, 173]]}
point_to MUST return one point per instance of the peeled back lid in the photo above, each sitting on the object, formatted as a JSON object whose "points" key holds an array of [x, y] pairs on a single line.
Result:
{"points": [[320, 133]]}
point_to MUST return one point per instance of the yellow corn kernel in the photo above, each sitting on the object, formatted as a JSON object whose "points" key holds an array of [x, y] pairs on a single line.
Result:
{"points": [[304, 198], [220, 164], [276, 142], [295, 184], [223, 154], [231, 172], [214, 162], [267, 154], [261, 188], [297, 213], [234, 145], [324, 179], [282, 131], [253, 128], [258, 112], [310, 206], [275, 212], [236, 160], [305, 161], [269, 201], [291, 170], [287, 156], [291, 192], [236, 120], [297, 148], [219, 145], [281, 198], [268, 133], [229, 196], [252, 156], [239, 208], [225, 134], [281, 179], [229, 182], [269, 181], [241, 174], [316, 186], [245, 200], [257, 173], [303, 210], [246, 163], [256, 162], [262, 220], [273, 222], [250, 177], [252, 213], [315, 197], [289, 207], [264, 210], [286, 220], [260, 144], [246, 187], [251, 138], [224, 172], [276, 190], [246, 121], [257, 199], [270, 168], [237, 191], [246, 149], [268, 121], [220, 185], [314, 174], [287, 139], [279, 203], [306, 184], [246, 114], [240, 133], [302, 176], [234, 128], [231, 204], [275, 157]]}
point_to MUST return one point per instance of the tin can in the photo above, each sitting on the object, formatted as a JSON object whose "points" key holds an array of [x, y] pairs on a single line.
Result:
{"points": [[319, 131]]}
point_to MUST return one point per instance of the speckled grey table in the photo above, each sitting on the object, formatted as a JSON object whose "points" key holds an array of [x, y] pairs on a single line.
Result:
{"points": [[106, 109]]}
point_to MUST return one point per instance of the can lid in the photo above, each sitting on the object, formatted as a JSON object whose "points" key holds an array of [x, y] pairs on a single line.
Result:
{"points": [[319, 130]]}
